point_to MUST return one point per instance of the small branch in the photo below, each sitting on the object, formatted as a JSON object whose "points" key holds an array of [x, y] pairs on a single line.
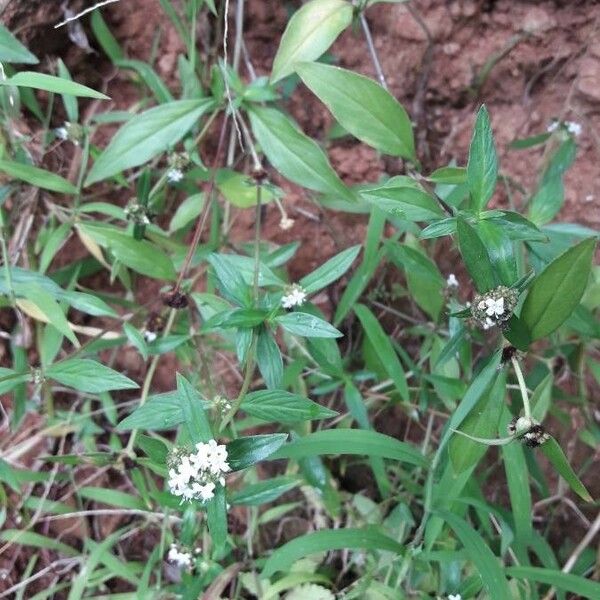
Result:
{"points": [[372, 51], [85, 12], [523, 387]]}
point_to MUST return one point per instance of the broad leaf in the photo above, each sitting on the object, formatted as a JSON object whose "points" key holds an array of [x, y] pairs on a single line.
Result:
{"points": [[557, 290], [284, 407], [307, 325], [362, 107], [195, 418], [295, 155], [87, 375], [475, 255], [309, 34], [146, 135], [330, 271], [482, 168], [246, 451], [162, 411]]}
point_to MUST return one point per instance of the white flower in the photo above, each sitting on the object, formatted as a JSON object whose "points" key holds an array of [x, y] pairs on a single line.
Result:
{"points": [[150, 336], [286, 223], [495, 308], [487, 323], [573, 128], [296, 296], [553, 126], [194, 476], [454, 597], [174, 175], [452, 281], [61, 133], [182, 559]]}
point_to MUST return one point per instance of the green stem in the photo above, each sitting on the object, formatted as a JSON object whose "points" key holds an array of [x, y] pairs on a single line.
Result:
{"points": [[148, 380], [5, 259], [522, 387]]}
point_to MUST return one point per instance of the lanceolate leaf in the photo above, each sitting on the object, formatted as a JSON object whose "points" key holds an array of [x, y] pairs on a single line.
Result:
{"points": [[328, 272], [582, 587], [307, 325], [49, 83], [483, 558], [38, 177], [162, 411], [556, 456], [146, 135], [362, 107], [351, 441], [482, 168], [323, 541], [284, 407], [309, 33], [12, 51], [295, 155], [193, 411], [383, 347], [246, 451], [89, 376], [475, 256], [557, 290]]}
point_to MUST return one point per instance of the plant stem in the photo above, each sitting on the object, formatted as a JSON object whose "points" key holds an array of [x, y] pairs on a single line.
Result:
{"points": [[372, 51], [522, 387], [148, 380]]}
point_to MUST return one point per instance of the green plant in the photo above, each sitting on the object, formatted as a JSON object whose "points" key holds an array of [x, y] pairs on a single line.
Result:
{"points": [[470, 375]]}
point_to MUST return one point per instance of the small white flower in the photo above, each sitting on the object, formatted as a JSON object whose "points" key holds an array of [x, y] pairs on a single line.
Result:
{"points": [[174, 175], [182, 559], [573, 128], [487, 323], [452, 281], [286, 223], [296, 296], [454, 597], [553, 126], [61, 133], [150, 336], [495, 308]]}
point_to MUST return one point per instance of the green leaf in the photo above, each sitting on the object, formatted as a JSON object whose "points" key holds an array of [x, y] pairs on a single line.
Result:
{"points": [[37, 177], [475, 255], [146, 135], [307, 325], [482, 421], [557, 290], [404, 199], [151, 79], [29, 538], [500, 250], [112, 497], [362, 107], [186, 212], [69, 102], [216, 516], [295, 155], [329, 271], [48, 306], [232, 284], [351, 441], [246, 451], [483, 558], [556, 456], [284, 557], [383, 348], [105, 38], [89, 376], [240, 190], [262, 492], [136, 339], [309, 33], [269, 359], [12, 51], [192, 408], [547, 201], [139, 255], [449, 175], [584, 588], [284, 407], [49, 83], [482, 168], [162, 411]]}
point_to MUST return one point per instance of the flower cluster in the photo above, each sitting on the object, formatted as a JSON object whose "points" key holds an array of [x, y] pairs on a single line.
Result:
{"points": [[286, 223], [72, 132], [494, 307], [136, 213], [177, 163], [181, 559], [294, 296], [222, 405], [571, 127], [454, 597], [528, 430], [452, 282], [194, 476]]}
